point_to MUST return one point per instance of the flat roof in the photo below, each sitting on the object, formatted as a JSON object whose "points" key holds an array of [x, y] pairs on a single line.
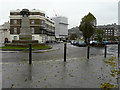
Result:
{"points": [[32, 10]]}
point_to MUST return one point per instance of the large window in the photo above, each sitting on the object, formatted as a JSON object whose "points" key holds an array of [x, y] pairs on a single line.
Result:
{"points": [[33, 37], [15, 13], [15, 21], [46, 25], [32, 13], [15, 31], [33, 30], [15, 37], [32, 21], [42, 22]]}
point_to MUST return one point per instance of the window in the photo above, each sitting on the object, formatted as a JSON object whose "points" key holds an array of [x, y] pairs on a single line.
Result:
{"points": [[42, 22], [46, 25], [15, 37], [42, 32], [15, 30], [15, 13], [32, 21], [33, 38], [15, 21], [32, 13], [32, 30]]}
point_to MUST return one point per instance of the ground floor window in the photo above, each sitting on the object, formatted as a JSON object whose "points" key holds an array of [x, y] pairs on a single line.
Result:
{"points": [[32, 30], [33, 38], [15, 37]]}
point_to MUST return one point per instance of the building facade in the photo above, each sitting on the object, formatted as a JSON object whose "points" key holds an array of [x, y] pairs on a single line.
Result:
{"points": [[42, 27], [61, 27], [110, 31], [4, 32], [75, 30]]}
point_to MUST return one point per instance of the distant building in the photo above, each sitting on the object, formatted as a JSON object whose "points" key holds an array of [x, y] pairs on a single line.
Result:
{"points": [[4, 32], [61, 27], [75, 30], [110, 31], [42, 27]]}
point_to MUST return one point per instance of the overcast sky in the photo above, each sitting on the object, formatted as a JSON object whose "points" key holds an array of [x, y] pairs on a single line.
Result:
{"points": [[105, 11]]}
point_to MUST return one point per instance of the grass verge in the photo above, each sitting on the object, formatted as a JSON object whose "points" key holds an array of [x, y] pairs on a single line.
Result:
{"points": [[23, 48]]}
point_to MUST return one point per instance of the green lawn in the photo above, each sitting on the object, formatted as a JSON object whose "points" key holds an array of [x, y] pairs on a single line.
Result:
{"points": [[22, 48]]}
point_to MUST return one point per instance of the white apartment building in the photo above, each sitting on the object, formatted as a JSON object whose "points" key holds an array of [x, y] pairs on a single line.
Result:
{"points": [[61, 27], [4, 32]]}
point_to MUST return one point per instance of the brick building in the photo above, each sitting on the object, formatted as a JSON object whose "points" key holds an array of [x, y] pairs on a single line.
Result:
{"points": [[110, 31], [42, 27]]}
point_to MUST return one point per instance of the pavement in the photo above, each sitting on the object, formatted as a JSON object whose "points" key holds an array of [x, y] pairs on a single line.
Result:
{"points": [[75, 73]]}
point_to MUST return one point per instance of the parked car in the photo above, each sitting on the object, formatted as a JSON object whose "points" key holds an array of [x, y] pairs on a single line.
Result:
{"points": [[72, 41], [75, 42], [93, 42], [113, 42], [106, 42], [81, 43]]}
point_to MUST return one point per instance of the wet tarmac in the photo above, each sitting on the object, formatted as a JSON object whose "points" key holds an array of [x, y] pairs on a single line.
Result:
{"points": [[75, 73], [50, 71], [56, 53]]}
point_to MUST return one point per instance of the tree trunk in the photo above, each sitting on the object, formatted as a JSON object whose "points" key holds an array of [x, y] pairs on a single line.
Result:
{"points": [[88, 40], [85, 40]]}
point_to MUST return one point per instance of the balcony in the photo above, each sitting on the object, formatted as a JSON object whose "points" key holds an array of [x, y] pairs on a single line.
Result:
{"points": [[15, 17]]}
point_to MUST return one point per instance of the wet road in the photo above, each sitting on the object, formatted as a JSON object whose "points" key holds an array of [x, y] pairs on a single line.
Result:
{"points": [[49, 71], [79, 73], [58, 53]]}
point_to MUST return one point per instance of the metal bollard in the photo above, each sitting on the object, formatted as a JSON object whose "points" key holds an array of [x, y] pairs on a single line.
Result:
{"points": [[105, 51], [88, 51], [118, 50], [30, 54], [64, 52]]}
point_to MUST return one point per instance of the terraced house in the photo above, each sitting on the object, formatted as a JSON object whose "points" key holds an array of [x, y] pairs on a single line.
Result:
{"points": [[42, 27]]}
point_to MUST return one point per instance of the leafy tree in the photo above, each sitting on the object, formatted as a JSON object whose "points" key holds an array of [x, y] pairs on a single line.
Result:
{"points": [[99, 33], [87, 26], [112, 38], [73, 36]]}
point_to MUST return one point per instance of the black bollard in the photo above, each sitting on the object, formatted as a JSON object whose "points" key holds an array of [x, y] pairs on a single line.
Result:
{"points": [[64, 52], [30, 54], [88, 51], [118, 50], [105, 51]]}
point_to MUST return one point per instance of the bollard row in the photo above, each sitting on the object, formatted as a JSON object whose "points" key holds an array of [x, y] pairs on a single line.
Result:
{"points": [[88, 52]]}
